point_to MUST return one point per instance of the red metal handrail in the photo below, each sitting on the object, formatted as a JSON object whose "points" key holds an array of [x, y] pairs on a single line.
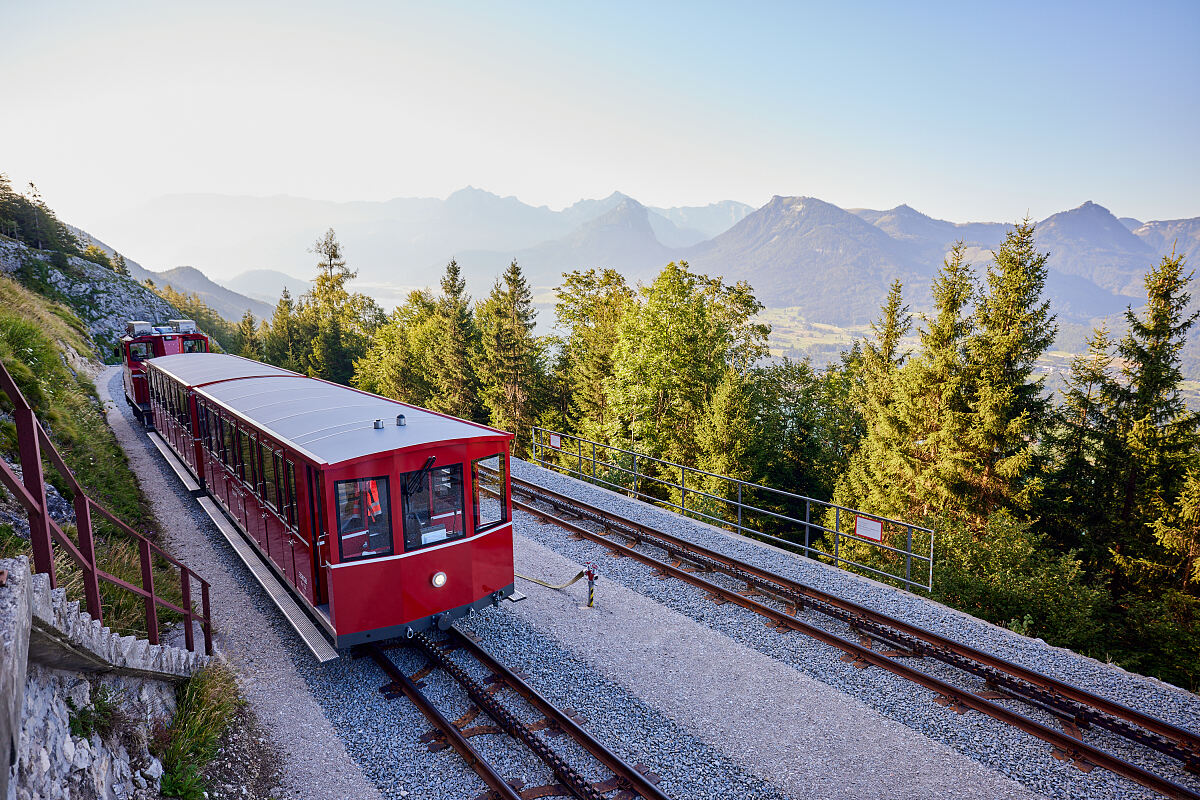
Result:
{"points": [[30, 492]]}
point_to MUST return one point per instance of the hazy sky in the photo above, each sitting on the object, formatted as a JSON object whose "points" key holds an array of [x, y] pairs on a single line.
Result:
{"points": [[961, 112]]}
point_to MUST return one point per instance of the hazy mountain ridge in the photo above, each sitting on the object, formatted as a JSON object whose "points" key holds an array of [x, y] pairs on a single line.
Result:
{"points": [[794, 251]]}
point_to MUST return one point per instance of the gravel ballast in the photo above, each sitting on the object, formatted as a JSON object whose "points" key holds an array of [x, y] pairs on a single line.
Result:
{"points": [[999, 747]]}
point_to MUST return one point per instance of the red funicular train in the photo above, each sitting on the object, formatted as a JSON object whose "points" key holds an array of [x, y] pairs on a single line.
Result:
{"points": [[144, 341], [383, 518]]}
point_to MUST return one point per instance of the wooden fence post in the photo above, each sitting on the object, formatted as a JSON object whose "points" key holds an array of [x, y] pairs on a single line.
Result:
{"points": [[35, 482], [87, 546], [148, 585]]}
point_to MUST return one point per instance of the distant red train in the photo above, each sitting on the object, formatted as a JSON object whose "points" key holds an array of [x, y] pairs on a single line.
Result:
{"points": [[383, 518], [143, 341]]}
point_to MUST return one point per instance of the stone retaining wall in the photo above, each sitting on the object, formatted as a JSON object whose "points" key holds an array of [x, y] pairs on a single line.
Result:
{"points": [[54, 661]]}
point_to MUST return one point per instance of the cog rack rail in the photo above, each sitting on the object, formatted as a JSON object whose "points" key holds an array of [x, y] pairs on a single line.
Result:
{"points": [[1075, 708], [627, 781]]}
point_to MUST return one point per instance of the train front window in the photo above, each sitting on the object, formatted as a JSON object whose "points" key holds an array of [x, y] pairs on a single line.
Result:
{"points": [[194, 346], [364, 518], [433, 506], [139, 351], [488, 486]]}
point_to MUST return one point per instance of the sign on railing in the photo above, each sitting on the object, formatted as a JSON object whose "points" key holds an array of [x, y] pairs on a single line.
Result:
{"points": [[886, 548]]}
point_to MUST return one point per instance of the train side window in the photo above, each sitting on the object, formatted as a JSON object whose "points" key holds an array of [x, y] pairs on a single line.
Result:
{"points": [[291, 495], [488, 486], [270, 489], [433, 506], [194, 346], [247, 460], [139, 351], [227, 446], [364, 518]]}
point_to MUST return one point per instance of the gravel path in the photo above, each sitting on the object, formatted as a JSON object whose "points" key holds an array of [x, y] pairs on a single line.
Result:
{"points": [[980, 738], [250, 631], [822, 743]]}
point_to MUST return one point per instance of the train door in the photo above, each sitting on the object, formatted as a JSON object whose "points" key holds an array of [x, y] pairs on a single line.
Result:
{"points": [[317, 534], [251, 509], [301, 544], [225, 482], [273, 528]]}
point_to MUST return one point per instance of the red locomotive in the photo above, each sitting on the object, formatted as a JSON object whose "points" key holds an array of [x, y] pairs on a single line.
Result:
{"points": [[383, 518], [144, 341]]}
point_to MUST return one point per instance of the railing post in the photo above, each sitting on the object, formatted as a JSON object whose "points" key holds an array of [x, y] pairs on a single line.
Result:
{"points": [[740, 507], [635, 475], [807, 528], [208, 643], [148, 585], [683, 488], [908, 557], [579, 449], [593, 461], [87, 546], [35, 482], [837, 536], [185, 583]]}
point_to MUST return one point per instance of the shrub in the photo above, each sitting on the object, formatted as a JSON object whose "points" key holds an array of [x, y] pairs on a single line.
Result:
{"points": [[206, 705]]}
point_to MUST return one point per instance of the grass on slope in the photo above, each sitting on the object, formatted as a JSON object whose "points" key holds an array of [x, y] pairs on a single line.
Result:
{"points": [[35, 334]]}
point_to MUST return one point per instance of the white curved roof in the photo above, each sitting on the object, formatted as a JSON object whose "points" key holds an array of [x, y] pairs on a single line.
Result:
{"points": [[195, 369], [332, 423]]}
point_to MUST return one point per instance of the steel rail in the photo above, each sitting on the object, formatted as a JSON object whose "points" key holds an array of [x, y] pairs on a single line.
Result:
{"points": [[636, 781], [500, 788], [1079, 751], [1053, 695]]}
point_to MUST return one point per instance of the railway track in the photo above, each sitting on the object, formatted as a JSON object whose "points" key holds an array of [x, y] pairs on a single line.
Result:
{"points": [[625, 782], [889, 644]]}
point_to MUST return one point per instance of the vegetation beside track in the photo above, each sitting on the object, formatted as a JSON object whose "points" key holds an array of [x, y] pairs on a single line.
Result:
{"points": [[207, 703], [46, 349]]}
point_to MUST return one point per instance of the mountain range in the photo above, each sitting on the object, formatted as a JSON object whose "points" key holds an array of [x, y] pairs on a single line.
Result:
{"points": [[833, 263]]}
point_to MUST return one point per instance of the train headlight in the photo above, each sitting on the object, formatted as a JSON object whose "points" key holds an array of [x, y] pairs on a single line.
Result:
{"points": [[438, 580]]}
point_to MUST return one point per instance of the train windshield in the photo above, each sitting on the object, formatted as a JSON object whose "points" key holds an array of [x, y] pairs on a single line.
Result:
{"points": [[364, 518], [433, 506], [139, 351], [488, 485], [194, 346]]}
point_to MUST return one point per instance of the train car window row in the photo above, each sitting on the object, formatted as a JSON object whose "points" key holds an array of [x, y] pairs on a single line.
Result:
{"points": [[488, 486], [433, 506], [364, 518]]}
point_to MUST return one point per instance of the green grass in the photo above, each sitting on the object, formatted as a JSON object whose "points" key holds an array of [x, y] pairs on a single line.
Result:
{"points": [[34, 334], [101, 716], [206, 705]]}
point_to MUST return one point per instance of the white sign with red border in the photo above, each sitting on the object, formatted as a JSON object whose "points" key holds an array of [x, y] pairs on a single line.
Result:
{"points": [[868, 528], [556, 441]]}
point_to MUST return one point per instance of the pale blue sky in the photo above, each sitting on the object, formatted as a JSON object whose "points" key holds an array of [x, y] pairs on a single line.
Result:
{"points": [[963, 111]]}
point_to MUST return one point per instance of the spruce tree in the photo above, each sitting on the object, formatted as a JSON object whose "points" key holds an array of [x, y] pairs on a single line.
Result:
{"points": [[119, 266], [455, 384], [870, 481], [931, 407], [280, 343], [1014, 327], [400, 361], [589, 311], [248, 343], [1159, 432], [510, 368]]}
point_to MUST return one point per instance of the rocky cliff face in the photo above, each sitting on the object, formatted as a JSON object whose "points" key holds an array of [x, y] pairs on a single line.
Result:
{"points": [[103, 300]]}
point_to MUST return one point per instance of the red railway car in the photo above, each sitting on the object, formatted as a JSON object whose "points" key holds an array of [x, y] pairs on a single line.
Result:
{"points": [[144, 341], [359, 504]]}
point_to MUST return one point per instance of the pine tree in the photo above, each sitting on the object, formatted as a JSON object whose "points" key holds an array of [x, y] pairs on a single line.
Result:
{"points": [[1009, 412], [247, 332], [280, 345], [119, 266], [510, 367], [1159, 432], [400, 361], [870, 481], [589, 311], [1081, 451], [455, 384]]}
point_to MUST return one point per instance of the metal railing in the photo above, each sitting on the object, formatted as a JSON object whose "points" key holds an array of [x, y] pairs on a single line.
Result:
{"points": [[30, 492], [816, 528]]}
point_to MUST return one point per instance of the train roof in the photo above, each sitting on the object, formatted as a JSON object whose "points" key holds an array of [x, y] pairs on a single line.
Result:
{"points": [[331, 423], [197, 369]]}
